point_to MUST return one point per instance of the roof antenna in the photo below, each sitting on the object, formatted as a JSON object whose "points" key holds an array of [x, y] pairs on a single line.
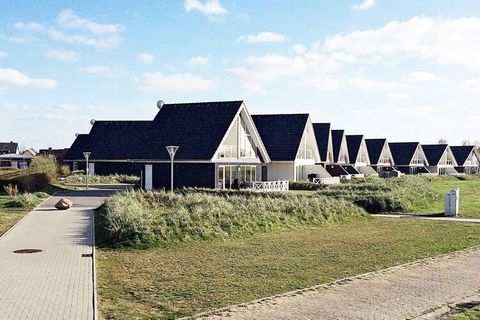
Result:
{"points": [[77, 134], [160, 104], [92, 122]]}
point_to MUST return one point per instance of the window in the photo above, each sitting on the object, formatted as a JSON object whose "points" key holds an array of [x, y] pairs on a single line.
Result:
{"points": [[75, 166]]}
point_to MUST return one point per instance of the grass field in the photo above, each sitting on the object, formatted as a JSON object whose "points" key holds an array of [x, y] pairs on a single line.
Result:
{"points": [[10, 215], [469, 196], [165, 283], [473, 314]]}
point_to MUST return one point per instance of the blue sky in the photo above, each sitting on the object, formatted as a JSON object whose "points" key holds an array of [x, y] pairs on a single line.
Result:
{"points": [[404, 70]]}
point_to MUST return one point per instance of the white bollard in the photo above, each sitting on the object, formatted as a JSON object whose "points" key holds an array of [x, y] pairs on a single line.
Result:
{"points": [[452, 200]]}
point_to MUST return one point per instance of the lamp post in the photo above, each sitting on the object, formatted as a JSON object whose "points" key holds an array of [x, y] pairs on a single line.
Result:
{"points": [[171, 151], [86, 155]]}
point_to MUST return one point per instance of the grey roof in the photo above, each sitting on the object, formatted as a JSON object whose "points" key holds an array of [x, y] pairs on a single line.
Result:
{"points": [[434, 152], [281, 134], [353, 144], [375, 148], [8, 147], [337, 137], [15, 156], [322, 135]]}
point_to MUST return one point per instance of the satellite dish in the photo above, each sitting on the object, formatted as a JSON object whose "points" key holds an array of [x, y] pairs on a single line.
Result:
{"points": [[77, 134], [92, 122], [160, 104]]}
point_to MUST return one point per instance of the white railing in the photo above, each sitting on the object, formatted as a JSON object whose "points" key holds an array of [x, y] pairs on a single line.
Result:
{"points": [[384, 161], [417, 162], [304, 154], [270, 185], [358, 176], [332, 180], [227, 152]]}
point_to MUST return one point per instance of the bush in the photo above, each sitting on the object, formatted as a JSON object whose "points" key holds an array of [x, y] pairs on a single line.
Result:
{"points": [[63, 171], [111, 179], [152, 218], [384, 195], [46, 164], [41, 195], [25, 200], [11, 190]]}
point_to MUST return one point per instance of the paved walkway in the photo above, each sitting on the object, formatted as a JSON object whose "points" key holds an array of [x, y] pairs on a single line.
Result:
{"points": [[403, 292], [56, 283], [420, 217]]}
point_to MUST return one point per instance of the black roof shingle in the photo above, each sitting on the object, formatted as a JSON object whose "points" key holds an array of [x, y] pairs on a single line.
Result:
{"points": [[375, 148], [461, 153], [337, 138], [403, 152], [79, 145], [281, 134], [353, 144]]}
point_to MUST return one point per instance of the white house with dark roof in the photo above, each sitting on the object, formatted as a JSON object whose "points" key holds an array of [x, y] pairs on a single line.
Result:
{"points": [[291, 144], [467, 158], [380, 155], [440, 159], [359, 159], [409, 157], [219, 146]]}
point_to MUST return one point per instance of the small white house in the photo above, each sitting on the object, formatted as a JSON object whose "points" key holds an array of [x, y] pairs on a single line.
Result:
{"points": [[440, 158], [467, 158], [380, 156], [409, 157]]}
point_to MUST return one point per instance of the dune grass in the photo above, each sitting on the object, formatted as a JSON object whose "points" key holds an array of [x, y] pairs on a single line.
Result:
{"points": [[469, 196], [181, 280], [9, 214]]}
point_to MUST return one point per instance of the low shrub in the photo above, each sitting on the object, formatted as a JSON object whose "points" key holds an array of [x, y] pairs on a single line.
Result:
{"points": [[45, 164], [25, 200], [63, 170], [41, 195], [78, 178], [28, 180], [152, 218]]}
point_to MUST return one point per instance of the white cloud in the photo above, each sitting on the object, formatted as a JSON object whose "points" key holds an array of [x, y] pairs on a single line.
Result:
{"points": [[262, 37], [16, 79], [29, 26], [299, 48], [88, 40], [3, 54], [366, 4], [422, 76], [209, 7], [73, 29], [176, 82], [198, 61], [62, 55], [446, 41], [146, 58], [69, 20], [97, 69], [471, 85]]}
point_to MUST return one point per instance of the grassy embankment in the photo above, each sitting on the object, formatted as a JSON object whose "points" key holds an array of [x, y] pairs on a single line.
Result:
{"points": [[209, 250]]}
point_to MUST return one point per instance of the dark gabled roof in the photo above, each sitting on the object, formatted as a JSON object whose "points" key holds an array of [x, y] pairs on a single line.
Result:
{"points": [[8, 147], [461, 153], [375, 148], [117, 140], [197, 128], [434, 152], [322, 135], [281, 134], [337, 137], [80, 145], [403, 152], [353, 145]]}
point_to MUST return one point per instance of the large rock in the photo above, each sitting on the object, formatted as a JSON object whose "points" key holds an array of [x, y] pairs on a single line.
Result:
{"points": [[64, 204]]}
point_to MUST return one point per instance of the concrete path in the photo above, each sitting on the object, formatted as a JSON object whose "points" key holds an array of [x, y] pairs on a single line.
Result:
{"points": [[56, 283], [403, 292], [420, 217]]}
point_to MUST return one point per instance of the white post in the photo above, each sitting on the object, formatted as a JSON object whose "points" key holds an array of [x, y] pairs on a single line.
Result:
{"points": [[86, 155], [171, 151]]}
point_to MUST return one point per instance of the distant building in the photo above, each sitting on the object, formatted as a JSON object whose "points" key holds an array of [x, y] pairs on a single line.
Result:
{"points": [[9, 148]]}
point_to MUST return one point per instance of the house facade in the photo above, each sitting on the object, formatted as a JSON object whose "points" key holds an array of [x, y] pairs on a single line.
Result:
{"points": [[219, 146], [440, 159], [323, 135], [9, 148], [409, 157], [359, 158], [292, 146], [467, 158], [340, 156]]}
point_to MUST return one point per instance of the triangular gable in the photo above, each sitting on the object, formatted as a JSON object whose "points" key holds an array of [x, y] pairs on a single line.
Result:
{"points": [[378, 150], [308, 143], [340, 148], [323, 135], [357, 149], [241, 140], [419, 157], [465, 155]]}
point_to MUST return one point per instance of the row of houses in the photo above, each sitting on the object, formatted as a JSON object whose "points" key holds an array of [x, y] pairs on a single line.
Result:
{"points": [[220, 145], [12, 157]]}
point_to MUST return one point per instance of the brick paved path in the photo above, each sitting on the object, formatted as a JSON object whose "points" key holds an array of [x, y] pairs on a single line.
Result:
{"points": [[56, 283]]}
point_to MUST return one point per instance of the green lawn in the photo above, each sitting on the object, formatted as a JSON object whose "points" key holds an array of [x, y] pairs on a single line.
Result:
{"points": [[469, 196], [473, 314], [9, 215], [166, 283]]}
